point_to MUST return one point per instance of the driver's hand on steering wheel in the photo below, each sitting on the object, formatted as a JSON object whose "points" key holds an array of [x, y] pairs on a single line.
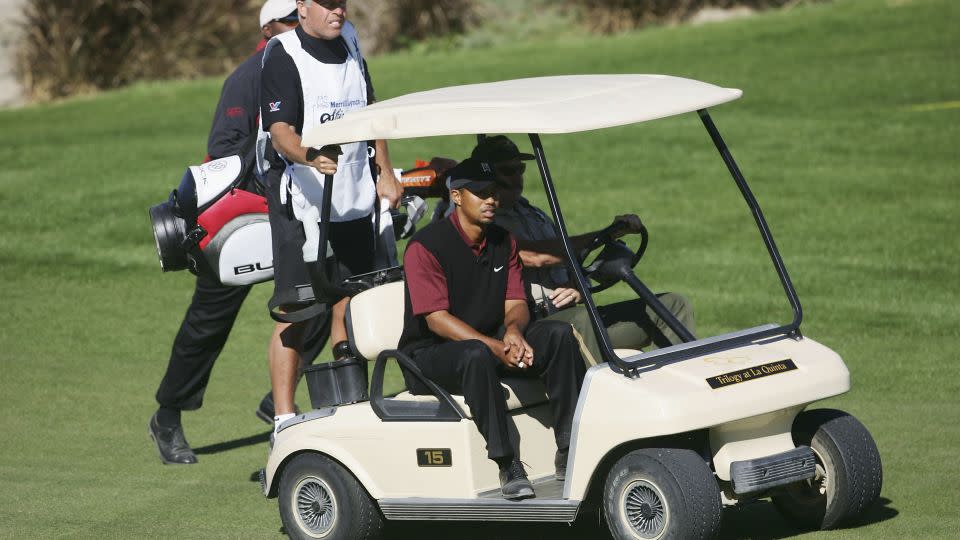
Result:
{"points": [[564, 296], [629, 224]]}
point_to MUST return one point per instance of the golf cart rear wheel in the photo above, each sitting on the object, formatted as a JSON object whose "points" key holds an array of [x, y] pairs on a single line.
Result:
{"points": [[319, 499], [661, 493], [849, 474]]}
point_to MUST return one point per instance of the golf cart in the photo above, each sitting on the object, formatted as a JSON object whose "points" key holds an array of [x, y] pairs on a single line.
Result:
{"points": [[712, 422]]}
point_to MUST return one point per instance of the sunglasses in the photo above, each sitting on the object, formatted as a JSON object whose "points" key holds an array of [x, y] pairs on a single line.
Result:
{"points": [[487, 192], [331, 4], [510, 170]]}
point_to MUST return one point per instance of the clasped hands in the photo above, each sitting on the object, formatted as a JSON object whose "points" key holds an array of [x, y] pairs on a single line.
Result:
{"points": [[513, 351]]}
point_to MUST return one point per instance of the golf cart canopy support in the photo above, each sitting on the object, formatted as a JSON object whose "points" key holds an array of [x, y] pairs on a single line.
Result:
{"points": [[543, 105]]}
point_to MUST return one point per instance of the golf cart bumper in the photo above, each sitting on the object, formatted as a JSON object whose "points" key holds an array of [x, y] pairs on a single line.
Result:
{"points": [[755, 475]]}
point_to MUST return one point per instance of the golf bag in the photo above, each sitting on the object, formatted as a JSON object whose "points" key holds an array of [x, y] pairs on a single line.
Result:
{"points": [[212, 227]]}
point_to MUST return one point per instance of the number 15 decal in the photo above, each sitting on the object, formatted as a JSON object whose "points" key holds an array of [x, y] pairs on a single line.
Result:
{"points": [[434, 457]]}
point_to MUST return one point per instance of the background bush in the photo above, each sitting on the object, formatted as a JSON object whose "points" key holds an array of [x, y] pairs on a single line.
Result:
{"points": [[608, 16], [75, 46], [386, 25]]}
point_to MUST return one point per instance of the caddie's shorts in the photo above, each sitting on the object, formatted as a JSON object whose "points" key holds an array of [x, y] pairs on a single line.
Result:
{"points": [[352, 244]]}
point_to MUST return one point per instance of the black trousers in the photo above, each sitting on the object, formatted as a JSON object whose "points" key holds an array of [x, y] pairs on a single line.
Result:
{"points": [[470, 368], [201, 337]]}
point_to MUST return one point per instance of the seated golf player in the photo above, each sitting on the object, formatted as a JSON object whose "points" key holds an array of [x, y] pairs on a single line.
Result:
{"points": [[467, 323], [631, 324]]}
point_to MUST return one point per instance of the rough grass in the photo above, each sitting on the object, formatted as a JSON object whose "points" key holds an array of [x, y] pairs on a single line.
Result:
{"points": [[859, 188]]}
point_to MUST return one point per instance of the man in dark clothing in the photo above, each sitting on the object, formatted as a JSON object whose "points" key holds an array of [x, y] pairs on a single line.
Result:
{"points": [[467, 323], [214, 307]]}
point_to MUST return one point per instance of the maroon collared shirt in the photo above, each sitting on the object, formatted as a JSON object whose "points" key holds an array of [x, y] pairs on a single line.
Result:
{"points": [[428, 282]]}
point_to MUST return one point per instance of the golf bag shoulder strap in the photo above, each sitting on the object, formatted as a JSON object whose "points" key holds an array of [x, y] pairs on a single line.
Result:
{"points": [[313, 310]]}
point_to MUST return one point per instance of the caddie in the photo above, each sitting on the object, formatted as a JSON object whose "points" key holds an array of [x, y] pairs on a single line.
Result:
{"points": [[311, 76]]}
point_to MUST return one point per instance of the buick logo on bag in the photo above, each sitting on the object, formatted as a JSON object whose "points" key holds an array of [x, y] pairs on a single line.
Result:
{"points": [[250, 268]]}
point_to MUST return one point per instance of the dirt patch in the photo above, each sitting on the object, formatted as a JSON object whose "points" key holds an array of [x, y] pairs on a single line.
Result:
{"points": [[712, 15]]}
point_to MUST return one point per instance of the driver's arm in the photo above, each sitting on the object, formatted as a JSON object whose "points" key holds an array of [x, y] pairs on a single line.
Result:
{"points": [[540, 256], [541, 253]]}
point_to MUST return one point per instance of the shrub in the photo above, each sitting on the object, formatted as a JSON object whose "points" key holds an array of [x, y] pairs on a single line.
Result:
{"points": [[75, 46], [386, 25], [72, 46]]}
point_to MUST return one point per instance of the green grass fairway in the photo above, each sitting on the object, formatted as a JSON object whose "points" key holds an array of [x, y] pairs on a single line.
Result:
{"points": [[848, 133]]}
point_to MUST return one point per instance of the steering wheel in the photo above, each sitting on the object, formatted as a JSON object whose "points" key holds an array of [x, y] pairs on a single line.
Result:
{"points": [[615, 258]]}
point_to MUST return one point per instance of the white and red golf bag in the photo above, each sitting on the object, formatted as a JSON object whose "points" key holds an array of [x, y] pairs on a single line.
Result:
{"points": [[213, 228]]}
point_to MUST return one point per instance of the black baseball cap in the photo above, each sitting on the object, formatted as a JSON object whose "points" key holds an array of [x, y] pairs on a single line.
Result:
{"points": [[472, 174], [498, 148]]}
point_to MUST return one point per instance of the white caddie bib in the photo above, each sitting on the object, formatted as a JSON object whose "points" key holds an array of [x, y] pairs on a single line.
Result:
{"points": [[329, 91]]}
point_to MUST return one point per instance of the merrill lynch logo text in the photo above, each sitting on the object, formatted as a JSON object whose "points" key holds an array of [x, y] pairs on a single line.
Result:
{"points": [[751, 373]]}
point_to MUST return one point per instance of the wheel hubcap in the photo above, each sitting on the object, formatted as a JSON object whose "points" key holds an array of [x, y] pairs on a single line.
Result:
{"points": [[820, 481], [316, 508], [644, 509], [814, 490]]}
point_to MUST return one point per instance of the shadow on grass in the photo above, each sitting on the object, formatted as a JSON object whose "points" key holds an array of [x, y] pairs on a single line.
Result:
{"points": [[758, 520], [882, 511], [232, 445], [585, 527], [762, 520]]}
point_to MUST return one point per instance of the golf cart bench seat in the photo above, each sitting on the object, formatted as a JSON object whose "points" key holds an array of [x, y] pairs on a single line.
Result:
{"points": [[375, 322]]}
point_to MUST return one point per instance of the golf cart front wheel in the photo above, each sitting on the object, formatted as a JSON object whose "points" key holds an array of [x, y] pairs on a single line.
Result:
{"points": [[319, 499], [661, 493], [848, 475]]}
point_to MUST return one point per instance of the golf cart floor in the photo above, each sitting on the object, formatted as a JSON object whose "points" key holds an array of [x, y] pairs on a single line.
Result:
{"points": [[488, 506], [546, 488]]}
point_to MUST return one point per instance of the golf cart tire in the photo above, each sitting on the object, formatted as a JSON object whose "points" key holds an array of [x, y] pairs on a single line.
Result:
{"points": [[849, 471], [684, 494], [346, 510]]}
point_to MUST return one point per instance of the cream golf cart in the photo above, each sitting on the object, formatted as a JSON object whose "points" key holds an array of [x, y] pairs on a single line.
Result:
{"points": [[711, 422]]}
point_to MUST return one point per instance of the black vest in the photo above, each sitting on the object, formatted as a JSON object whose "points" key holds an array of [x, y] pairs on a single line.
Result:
{"points": [[476, 285]]}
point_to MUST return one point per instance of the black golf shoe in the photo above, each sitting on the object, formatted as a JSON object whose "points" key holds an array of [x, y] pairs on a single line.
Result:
{"points": [[265, 411], [513, 482], [172, 445], [560, 463]]}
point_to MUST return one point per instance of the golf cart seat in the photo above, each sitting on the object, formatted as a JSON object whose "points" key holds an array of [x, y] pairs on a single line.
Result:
{"points": [[374, 325]]}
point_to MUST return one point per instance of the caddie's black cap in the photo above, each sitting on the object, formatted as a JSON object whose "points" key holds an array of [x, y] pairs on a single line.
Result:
{"points": [[471, 174], [498, 148]]}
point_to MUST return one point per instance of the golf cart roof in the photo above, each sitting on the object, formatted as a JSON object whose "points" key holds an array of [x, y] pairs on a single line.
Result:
{"points": [[560, 104]]}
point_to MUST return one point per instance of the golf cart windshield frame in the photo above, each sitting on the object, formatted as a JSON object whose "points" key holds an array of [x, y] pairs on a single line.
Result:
{"points": [[682, 351]]}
